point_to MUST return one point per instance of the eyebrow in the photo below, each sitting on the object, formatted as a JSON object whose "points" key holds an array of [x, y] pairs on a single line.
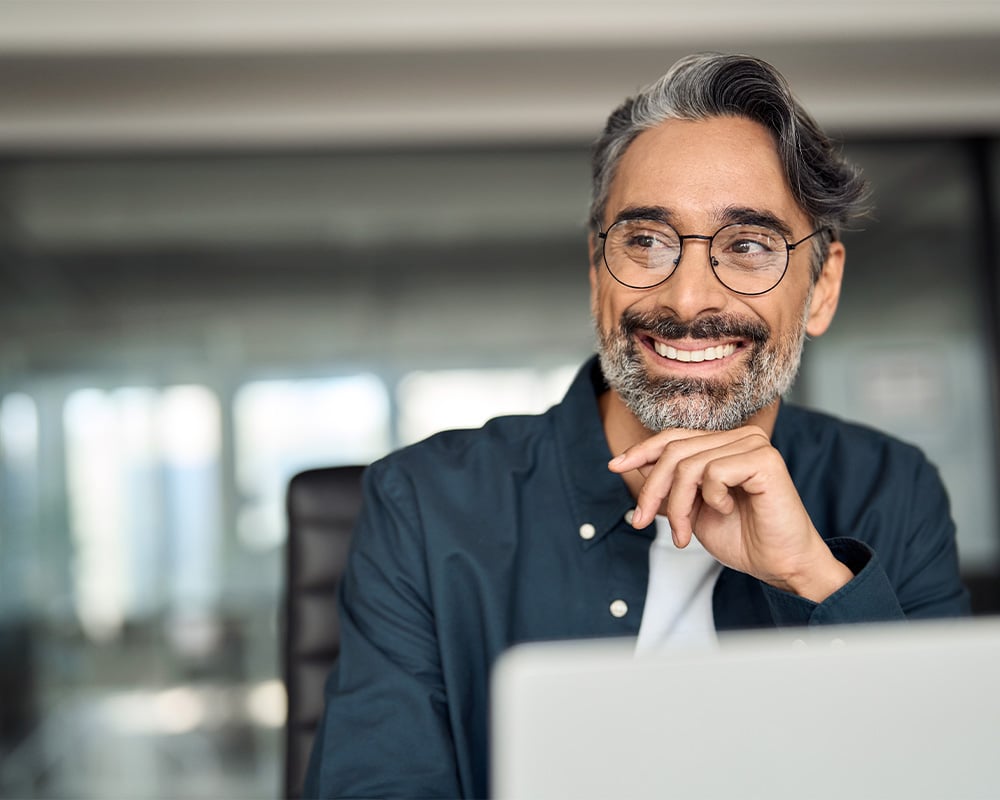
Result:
{"points": [[727, 216], [656, 213], [755, 216]]}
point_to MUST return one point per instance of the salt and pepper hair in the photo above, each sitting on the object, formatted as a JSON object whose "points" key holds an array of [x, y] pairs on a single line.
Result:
{"points": [[830, 190]]}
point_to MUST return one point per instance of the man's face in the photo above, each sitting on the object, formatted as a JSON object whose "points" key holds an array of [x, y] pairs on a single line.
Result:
{"points": [[691, 353]]}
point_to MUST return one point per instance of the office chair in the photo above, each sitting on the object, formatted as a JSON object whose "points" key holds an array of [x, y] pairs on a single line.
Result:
{"points": [[322, 505]]}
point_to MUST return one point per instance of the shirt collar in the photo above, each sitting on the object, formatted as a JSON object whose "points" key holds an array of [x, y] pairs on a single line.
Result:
{"points": [[599, 497]]}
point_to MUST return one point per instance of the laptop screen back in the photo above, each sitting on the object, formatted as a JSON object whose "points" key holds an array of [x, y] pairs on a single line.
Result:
{"points": [[905, 710]]}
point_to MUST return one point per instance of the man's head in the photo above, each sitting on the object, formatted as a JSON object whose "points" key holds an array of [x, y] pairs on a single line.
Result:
{"points": [[718, 142]]}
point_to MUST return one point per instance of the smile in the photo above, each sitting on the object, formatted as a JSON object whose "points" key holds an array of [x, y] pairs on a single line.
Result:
{"points": [[707, 354]]}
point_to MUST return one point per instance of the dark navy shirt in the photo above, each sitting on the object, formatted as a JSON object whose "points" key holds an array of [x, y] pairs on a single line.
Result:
{"points": [[472, 541]]}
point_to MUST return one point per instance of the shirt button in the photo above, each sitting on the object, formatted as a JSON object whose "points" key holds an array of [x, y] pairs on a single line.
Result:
{"points": [[587, 531], [628, 515], [618, 608]]}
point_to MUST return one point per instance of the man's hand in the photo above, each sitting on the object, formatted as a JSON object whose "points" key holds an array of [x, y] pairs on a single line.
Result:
{"points": [[732, 490]]}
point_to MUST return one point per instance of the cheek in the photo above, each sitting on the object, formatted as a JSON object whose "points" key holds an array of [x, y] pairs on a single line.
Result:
{"points": [[599, 300], [783, 313], [788, 324], [595, 292], [607, 307]]}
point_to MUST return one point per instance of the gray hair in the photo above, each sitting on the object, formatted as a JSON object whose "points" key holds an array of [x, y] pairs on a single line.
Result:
{"points": [[830, 190]]}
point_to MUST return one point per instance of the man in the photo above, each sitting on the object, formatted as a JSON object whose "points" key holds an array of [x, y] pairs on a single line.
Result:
{"points": [[671, 494]]}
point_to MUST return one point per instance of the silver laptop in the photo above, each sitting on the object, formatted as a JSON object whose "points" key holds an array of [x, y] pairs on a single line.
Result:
{"points": [[899, 711]]}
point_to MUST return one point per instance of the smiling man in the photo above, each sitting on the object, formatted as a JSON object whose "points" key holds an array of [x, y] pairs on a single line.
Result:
{"points": [[703, 332], [672, 494]]}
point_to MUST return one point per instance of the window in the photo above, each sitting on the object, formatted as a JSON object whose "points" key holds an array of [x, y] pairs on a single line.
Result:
{"points": [[284, 426], [143, 486], [436, 400]]}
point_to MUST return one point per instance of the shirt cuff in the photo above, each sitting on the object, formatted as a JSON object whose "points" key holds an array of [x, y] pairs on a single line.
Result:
{"points": [[868, 597]]}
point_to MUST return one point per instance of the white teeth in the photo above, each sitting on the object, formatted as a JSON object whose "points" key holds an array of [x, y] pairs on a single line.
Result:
{"points": [[708, 354]]}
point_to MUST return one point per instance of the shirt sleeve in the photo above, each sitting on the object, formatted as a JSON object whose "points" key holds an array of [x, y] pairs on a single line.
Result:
{"points": [[385, 730], [905, 563]]}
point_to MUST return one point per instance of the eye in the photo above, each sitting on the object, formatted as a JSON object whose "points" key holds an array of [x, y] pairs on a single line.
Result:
{"points": [[749, 241], [646, 240], [748, 247], [644, 235]]}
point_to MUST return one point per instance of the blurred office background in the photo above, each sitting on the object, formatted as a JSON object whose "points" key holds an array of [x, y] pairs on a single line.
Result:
{"points": [[239, 238]]}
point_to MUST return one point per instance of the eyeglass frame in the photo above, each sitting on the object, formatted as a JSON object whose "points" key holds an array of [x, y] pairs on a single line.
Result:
{"points": [[712, 261]]}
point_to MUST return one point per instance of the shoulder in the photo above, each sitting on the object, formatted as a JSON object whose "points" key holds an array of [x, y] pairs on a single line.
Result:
{"points": [[456, 495], [502, 445], [843, 461], [860, 482], [445, 484], [805, 433]]}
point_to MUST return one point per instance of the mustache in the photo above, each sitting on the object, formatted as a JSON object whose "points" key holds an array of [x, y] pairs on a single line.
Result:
{"points": [[715, 326]]}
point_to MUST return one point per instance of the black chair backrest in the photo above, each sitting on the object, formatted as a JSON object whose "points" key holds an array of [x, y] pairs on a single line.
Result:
{"points": [[322, 507]]}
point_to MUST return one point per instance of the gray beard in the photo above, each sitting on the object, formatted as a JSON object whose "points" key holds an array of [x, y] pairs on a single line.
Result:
{"points": [[768, 372]]}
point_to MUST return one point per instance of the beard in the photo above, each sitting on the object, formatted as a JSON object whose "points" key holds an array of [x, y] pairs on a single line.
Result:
{"points": [[767, 372]]}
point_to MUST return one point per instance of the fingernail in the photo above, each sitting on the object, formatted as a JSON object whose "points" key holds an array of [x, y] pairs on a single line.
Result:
{"points": [[616, 460], [637, 517]]}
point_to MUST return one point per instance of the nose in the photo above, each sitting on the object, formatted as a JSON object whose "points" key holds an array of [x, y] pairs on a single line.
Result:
{"points": [[692, 289]]}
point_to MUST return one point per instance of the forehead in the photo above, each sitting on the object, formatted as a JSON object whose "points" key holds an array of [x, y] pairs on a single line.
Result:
{"points": [[696, 170]]}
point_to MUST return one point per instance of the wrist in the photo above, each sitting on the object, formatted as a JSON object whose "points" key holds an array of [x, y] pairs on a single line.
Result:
{"points": [[819, 579]]}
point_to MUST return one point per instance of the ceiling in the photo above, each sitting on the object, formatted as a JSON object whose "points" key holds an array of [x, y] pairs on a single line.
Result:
{"points": [[113, 75]]}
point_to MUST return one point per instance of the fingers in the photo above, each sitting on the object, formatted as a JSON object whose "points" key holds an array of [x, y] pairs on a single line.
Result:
{"points": [[679, 441], [733, 488], [681, 467], [682, 538], [709, 478]]}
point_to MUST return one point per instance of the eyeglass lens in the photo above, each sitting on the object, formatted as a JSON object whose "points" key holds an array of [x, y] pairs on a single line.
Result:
{"points": [[748, 259]]}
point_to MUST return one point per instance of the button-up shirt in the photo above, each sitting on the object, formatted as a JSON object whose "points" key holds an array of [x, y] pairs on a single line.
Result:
{"points": [[472, 541]]}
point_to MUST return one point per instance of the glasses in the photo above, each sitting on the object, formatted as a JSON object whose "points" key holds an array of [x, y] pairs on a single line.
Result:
{"points": [[747, 259]]}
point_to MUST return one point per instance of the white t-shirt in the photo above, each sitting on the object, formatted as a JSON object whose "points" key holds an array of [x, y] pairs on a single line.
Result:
{"points": [[678, 610]]}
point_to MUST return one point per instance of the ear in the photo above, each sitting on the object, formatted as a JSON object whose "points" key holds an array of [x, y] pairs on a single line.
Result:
{"points": [[826, 292]]}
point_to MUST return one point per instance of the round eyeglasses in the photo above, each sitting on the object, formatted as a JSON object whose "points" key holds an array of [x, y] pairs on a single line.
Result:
{"points": [[747, 259]]}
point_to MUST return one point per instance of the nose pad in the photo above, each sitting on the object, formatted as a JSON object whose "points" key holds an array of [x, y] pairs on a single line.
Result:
{"points": [[685, 254], [694, 290]]}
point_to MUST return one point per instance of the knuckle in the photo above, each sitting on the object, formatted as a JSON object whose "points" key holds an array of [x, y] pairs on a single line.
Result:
{"points": [[772, 455], [713, 474], [673, 450], [651, 493], [755, 431], [645, 495], [688, 468]]}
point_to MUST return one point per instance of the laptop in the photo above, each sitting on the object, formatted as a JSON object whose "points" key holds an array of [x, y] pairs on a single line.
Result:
{"points": [[879, 711]]}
